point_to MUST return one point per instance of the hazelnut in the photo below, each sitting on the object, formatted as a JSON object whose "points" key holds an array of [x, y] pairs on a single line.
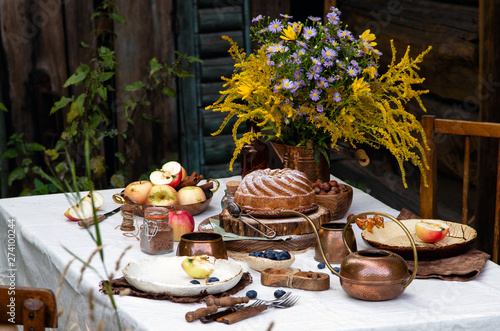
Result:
{"points": [[334, 183], [316, 189], [335, 190], [326, 186]]}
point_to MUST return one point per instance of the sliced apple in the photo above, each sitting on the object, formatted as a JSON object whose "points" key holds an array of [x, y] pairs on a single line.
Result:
{"points": [[80, 211], [98, 199], [431, 231], [169, 174], [198, 266]]}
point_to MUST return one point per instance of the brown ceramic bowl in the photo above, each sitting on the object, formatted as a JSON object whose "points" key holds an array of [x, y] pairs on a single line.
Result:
{"points": [[202, 243], [337, 204]]}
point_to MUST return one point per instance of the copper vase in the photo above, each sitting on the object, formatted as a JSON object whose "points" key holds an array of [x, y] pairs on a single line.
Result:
{"points": [[330, 237], [302, 158]]}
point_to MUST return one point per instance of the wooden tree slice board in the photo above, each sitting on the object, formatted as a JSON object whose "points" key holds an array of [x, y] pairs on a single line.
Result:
{"points": [[288, 226], [295, 243]]}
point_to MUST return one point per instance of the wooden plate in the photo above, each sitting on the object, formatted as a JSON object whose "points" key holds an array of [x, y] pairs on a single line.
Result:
{"points": [[391, 237]]}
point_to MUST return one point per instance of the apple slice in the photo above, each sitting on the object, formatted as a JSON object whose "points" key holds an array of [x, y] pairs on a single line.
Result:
{"points": [[98, 199], [170, 174], [431, 231], [80, 211], [198, 266]]}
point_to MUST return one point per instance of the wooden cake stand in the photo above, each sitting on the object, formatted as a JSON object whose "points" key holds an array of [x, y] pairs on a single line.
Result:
{"points": [[298, 229]]}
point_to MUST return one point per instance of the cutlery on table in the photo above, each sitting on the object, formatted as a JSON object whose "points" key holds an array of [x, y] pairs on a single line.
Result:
{"points": [[86, 222]]}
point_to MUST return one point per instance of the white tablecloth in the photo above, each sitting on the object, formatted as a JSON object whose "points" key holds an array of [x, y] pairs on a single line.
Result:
{"points": [[44, 237]]}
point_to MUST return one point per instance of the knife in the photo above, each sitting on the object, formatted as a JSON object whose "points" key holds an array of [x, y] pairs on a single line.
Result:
{"points": [[86, 222], [242, 314], [212, 317]]}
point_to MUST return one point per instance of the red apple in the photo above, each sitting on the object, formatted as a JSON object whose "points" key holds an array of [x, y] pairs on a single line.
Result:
{"points": [[139, 190], [162, 195], [431, 230], [170, 174], [191, 194], [81, 210], [181, 221]]}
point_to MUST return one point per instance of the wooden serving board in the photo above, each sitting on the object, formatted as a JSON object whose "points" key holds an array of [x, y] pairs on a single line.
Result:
{"points": [[288, 226], [295, 243], [305, 280]]}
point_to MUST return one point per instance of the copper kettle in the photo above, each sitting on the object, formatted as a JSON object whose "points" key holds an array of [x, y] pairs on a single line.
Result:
{"points": [[371, 274]]}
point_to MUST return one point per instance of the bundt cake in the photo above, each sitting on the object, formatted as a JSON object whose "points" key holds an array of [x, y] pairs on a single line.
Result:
{"points": [[264, 193]]}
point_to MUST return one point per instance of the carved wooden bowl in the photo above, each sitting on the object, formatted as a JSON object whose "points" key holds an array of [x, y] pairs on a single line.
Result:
{"points": [[337, 204]]}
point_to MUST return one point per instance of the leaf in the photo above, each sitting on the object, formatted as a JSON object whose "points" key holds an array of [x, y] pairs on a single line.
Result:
{"points": [[35, 147], [169, 92], [2, 107], [117, 18], [106, 76], [26, 162], [120, 157], [103, 92], [11, 153], [79, 75], [117, 180], [61, 104], [154, 65], [134, 86], [16, 174]]}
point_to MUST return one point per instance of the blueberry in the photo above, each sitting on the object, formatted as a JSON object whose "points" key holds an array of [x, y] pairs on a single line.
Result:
{"points": [[194, 281], [337, 269], [321, 265], [252, 294], [213, 279], [279, 293]]}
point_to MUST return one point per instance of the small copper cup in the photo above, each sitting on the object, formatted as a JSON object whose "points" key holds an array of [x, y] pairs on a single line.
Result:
{"points": [[330, 236], [202, 243]]}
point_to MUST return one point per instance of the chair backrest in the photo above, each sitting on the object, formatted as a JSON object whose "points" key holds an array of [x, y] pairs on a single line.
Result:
{"points": [[428, 195], [34, 308]]}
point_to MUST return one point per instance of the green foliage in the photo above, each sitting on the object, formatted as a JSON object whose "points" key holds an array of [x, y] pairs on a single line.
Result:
{"points": [[88, 116]]}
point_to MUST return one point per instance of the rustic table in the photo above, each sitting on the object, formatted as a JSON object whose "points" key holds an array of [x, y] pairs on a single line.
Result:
{"points": [[43, 238]]}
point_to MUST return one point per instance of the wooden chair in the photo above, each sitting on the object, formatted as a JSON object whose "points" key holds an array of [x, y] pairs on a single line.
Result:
{"points": [[428, 195], [34, 308]]}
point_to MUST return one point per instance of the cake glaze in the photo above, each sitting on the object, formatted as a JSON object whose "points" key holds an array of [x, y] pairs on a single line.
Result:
{"points": [[264, 193]]}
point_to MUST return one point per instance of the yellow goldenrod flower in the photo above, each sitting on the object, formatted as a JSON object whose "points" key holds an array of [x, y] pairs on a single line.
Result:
{"points": [[245, 90], [359, 86], [371, 71]]}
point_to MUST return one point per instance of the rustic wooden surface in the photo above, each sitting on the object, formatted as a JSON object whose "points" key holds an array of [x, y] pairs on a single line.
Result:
{"points": [[304, 280], [283, 226]]}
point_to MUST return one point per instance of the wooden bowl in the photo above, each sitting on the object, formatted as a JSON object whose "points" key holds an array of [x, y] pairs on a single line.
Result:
{"points": [[337, 204]]}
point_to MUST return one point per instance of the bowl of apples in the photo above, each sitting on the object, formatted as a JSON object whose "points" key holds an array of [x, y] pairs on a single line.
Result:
{"points": [[170, 187]]}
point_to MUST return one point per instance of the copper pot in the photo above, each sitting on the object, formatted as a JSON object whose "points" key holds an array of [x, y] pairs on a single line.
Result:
{"points": [[330, 238], [202, 243], [372, 274]]}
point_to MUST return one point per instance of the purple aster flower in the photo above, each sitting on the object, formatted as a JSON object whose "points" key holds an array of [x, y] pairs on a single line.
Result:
{"points": [[297, 75], [317, 69], [312, 75], [315, 60], [301, 44], [333, 18], [351, 71], [321, 82], [301, 52], [327, 63], [270, 63], [319, 108], [315, 95], [337, 77], [256, 18], [314, 18], [287, 84], [286, 16], [275, 26], [330, 79], [272, 49], [354, 64], [309, 32], [328, 53], [343, 34], [337, 97]]}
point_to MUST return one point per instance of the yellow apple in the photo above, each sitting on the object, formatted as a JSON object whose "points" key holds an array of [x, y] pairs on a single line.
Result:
{"points": [[191, 194], [162, 195], [139, 190]]}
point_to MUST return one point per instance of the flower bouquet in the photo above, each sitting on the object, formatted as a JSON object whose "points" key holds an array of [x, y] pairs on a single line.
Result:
{"points": [[315, 82]]}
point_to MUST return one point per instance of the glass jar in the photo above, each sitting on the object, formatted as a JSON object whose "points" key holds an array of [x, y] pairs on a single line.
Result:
{"points": [[231, 188], [157, 236]]}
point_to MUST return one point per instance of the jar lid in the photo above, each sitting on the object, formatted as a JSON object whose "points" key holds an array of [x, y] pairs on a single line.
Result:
{"points": [[232, 185]]}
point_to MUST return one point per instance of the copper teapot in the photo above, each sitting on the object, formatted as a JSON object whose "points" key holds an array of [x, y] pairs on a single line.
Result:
{"points": [[371, 274]]}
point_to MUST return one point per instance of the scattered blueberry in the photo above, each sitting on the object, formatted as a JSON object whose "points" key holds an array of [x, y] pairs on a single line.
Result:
{"points": [[321, 265], [194, 281], [252, 294], [213, 279], [279, 293], [337, 269]]}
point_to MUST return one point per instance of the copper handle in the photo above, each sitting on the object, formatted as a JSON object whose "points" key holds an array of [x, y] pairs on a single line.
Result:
{"points": [[408, 234]]}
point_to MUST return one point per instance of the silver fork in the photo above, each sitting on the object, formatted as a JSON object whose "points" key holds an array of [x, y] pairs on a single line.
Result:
{"points": [[257, 307]]}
